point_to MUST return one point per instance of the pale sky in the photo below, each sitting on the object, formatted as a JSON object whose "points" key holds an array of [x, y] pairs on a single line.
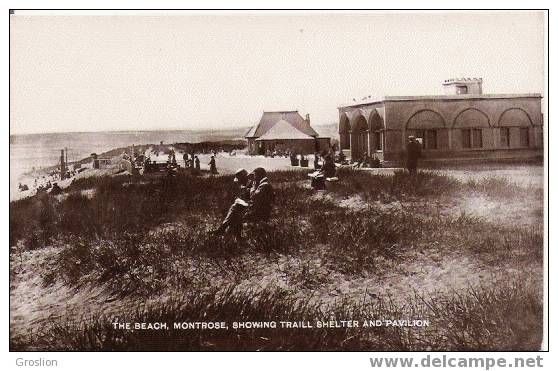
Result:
{"points": [[135, 72]]}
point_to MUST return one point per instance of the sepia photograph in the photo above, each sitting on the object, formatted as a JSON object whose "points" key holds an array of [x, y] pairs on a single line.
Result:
{"points": [[277, 181]]}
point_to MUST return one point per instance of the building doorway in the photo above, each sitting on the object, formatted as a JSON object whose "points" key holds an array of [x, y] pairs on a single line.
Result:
{"points": [[359, 139]]}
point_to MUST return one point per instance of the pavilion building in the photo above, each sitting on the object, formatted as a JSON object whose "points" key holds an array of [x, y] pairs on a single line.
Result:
{"points": [[283, 131], [462, 124]]}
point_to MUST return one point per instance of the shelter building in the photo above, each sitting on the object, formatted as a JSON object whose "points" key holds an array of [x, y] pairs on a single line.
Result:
{"points": [[283, 131], [463, 124]]}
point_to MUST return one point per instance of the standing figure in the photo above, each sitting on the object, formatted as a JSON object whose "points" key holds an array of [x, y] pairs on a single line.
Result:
{"points": [[413, 153], [212, 165], [197, 161]]}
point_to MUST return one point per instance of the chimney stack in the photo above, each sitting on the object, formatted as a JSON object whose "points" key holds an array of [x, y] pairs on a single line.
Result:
{"points": [[463, 86], [308, 118]]}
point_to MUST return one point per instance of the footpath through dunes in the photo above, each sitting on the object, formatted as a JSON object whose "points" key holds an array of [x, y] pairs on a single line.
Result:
{"points": [[386, 241]]}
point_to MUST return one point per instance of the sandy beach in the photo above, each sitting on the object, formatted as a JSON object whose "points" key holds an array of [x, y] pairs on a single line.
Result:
{"points": [[524, 175]]}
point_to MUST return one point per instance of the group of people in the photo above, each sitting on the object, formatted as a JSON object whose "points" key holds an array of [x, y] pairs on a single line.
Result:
{"points": [[279, 152], [46, 183], [172, 157], [192, 161], [366, 161], [255, 193], [52, 188], [253, 203]]}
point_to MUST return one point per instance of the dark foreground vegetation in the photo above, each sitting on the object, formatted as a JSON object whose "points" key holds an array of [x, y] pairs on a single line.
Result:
{"points": [[479, 319], [139, 237]]}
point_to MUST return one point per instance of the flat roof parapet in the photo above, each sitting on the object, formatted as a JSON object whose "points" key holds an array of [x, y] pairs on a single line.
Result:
{"points": [[399, 98], [462, 80]]}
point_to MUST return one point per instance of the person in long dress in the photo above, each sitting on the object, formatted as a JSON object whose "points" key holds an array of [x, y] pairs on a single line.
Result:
{"points": [[213, 165]]}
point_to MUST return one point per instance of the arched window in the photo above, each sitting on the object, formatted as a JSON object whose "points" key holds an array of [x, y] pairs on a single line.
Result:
{"points": [[469, 128], [428, 127], [515, 126]]}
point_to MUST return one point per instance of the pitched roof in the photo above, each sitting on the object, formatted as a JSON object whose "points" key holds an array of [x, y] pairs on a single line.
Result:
{"points": [[283, 130], [250, 132], [269, 119]]}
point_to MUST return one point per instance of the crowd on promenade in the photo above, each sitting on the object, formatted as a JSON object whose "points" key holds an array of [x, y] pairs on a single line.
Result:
{"points": [[255, 195]]}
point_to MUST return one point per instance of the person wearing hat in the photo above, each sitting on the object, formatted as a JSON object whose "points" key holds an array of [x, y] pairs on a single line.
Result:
{"points": [[244, 182], [193, 159], [261, 197], [414, 149], [254, 203], [233, 220]]}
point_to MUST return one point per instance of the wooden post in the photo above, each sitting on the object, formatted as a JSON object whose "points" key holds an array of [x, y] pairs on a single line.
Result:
{"points": [[62, 165]]}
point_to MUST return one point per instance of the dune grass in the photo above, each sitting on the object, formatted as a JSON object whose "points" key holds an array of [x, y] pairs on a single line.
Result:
{"points": [[140, 237], [478, 319]]}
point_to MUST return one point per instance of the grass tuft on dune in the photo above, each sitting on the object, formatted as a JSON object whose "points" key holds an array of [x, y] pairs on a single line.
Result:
{"points": [[143, 239]]}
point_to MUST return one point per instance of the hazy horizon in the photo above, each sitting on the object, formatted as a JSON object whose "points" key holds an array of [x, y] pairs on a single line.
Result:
{"points": [[219, 72], [132, 131], [155, 129]]}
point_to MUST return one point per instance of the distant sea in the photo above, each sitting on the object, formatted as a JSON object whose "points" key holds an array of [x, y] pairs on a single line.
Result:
{"points": [[35, 151]]}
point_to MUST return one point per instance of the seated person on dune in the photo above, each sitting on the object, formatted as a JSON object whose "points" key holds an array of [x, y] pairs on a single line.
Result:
{"points": [[254, 203], [327, 171], [328, 168]]}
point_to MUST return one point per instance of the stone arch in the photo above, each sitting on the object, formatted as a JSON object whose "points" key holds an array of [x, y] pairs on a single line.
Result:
{"points": [[359, 136], [515, 117], [430, 126], [358, 117], [344, 131], [471, 129], [375, 121], [425, 119], [471, 118], [359, 123], [516, 128], [344, 123], [377, 131]]}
